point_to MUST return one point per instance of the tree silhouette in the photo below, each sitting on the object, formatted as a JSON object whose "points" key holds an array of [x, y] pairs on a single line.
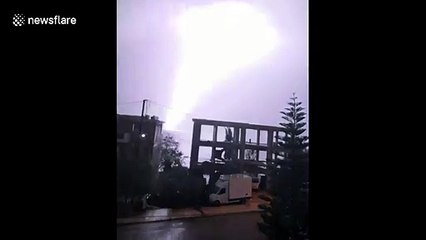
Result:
{"points": [[171, 156], [226, 151], [286, 216]]}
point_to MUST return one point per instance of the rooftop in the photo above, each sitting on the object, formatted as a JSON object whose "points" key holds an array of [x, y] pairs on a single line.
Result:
{"points": [[236, 124]]}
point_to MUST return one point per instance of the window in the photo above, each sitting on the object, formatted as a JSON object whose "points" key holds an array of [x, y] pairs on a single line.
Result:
{"points": [[222, 191], [204, 154], [221, 134], [262, 155], [250, 154], [251, 136], [206, 133]]}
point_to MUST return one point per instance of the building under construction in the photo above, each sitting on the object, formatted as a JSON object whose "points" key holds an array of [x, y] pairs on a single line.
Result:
{"points": [[251, 152]]}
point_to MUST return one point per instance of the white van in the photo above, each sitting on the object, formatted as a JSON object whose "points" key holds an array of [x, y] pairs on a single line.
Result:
{"points": [[231, 188]]}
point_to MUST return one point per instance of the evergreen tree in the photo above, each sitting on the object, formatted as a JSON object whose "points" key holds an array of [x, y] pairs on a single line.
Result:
{"points": [[286, 217]]}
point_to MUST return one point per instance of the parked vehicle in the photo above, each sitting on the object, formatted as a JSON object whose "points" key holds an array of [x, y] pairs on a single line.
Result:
{"points": [[231, 188]]}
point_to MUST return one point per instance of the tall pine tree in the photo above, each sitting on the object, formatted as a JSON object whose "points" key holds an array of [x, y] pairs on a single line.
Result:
{"points": [[286, 217]]}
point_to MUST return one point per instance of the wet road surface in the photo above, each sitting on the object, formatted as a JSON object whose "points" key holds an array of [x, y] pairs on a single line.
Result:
{"points": [[234, 226]]}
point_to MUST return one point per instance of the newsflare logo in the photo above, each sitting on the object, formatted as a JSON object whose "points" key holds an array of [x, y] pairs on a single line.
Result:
{"points": [[20, 20]]}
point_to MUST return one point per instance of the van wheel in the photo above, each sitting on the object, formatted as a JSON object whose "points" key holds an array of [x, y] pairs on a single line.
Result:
{"points": [[243, 201], [216, 203]]}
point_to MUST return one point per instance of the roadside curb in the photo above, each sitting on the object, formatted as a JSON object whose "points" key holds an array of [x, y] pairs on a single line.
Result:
{"points": [[124, 221]]}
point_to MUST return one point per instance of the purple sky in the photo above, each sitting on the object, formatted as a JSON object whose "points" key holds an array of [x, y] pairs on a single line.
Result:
{"points": [[149, 54]]}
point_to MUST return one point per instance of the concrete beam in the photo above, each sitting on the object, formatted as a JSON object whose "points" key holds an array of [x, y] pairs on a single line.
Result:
{"points": [[235, 124]]}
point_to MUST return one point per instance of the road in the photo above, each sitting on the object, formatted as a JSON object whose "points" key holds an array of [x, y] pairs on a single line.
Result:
{"points": [[233, 226]]}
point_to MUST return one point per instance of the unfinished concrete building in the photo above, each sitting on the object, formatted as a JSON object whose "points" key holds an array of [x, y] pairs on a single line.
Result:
{"points": [[250, 145]]}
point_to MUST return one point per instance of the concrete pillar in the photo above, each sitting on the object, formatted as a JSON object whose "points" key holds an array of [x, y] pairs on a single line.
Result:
{"points": [[258, 137], [214, 133], [214, 143], [243, 143], [195, 148], [270, 143], [236, 134], [276, 140], [237, 141], [257, 143]]}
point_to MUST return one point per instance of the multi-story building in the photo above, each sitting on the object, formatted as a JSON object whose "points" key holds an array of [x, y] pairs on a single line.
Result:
{"points": [[138, 153]]}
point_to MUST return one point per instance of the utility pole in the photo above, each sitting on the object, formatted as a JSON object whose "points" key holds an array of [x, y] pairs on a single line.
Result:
{"points": [[142, 115], [140, 134]]}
